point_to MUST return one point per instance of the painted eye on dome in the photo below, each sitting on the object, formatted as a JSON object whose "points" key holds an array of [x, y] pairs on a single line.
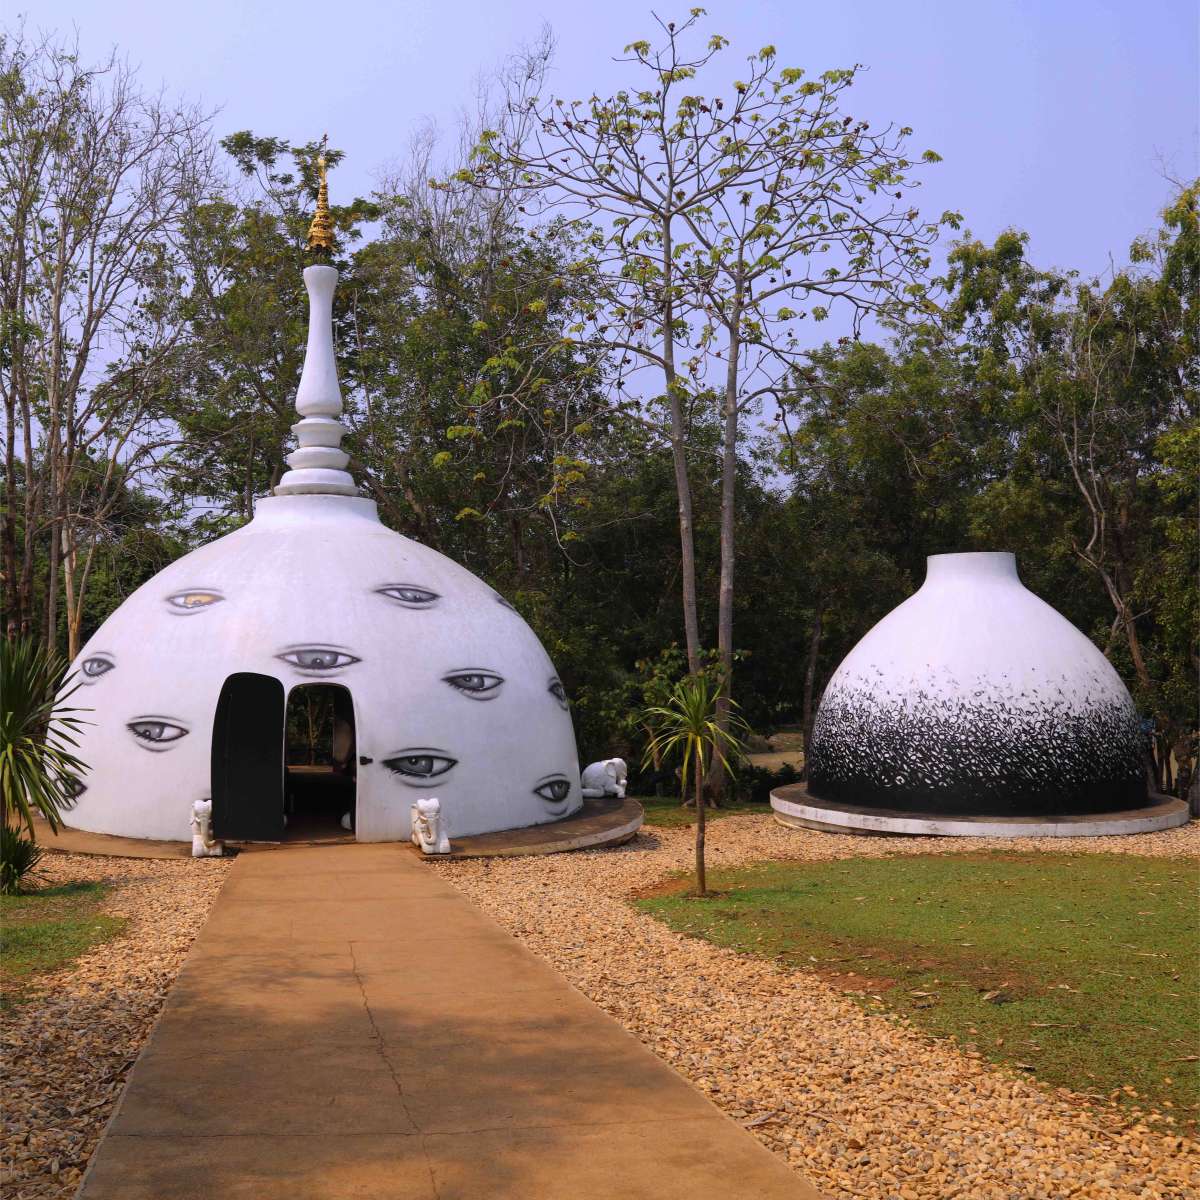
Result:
{"points": [[409, 595], [74, 787], [156, 733], [97, 665], [559, 692], [317, 660], [194, 600], [507, 603], [555, 789], [416, 766], [479, 685]]}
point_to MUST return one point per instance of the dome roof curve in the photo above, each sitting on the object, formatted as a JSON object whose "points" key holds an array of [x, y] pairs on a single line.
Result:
{"points": [[454, 696], [974, 697]]}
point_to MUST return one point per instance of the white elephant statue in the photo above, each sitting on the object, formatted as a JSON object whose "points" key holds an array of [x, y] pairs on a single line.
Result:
{"points": [[427, 831], [203, 843], [605, 778]]}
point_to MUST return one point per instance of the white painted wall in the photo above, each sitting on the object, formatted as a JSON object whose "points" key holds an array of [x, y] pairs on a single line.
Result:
{"points": [[306, 574]]}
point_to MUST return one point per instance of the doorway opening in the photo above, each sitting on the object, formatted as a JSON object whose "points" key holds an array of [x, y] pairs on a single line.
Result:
{"points": [[321, 765], [247, 759]]}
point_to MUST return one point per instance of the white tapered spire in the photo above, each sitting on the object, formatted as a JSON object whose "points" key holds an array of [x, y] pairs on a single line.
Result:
{"points": [[319, 465]]}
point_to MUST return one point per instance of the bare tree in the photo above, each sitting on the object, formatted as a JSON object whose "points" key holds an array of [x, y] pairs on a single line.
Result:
{"points": [[718, 226], [99, 178]]}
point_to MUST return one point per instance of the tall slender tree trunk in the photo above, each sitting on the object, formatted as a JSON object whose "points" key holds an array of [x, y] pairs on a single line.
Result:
{"points": [[69, 595], [687, 540], [808, 714], [32, 488], [717, 772], [701, 881], [52, 584], [12, 590], [683, 484]]}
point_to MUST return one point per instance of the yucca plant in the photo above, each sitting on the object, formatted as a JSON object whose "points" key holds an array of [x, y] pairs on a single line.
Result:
{"points": [[38, 771], [687, 726], [19, 857]]}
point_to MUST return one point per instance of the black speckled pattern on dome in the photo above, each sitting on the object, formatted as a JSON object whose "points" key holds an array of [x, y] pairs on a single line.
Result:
{"points": [[976, 750]]}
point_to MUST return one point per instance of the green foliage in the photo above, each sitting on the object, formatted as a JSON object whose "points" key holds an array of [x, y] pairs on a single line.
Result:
{"points": [[38, 771], [971, 946], [755, 784], [1043, 416], [688, 726], [685, 727], [19, 857], [489, 350]]}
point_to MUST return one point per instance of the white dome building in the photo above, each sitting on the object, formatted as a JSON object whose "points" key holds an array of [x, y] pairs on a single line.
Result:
{"points": [[451, 694], [974, 708]]}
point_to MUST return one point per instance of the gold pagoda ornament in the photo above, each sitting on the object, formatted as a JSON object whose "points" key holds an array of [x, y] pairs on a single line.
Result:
{"points": [[320, 232]]}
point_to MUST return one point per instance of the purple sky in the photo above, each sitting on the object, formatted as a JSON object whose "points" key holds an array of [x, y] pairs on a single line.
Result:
{"points": [[1054, 116]]}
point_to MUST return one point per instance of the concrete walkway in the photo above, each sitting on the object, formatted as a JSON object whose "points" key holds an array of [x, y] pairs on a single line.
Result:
{"points": [[349, 1025]]}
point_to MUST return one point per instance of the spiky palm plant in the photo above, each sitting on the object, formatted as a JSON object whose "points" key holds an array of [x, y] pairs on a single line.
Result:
{"points": [[38, 771], [687, 726]]}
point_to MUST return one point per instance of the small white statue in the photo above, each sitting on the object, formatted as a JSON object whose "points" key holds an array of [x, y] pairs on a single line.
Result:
{"points": [[605, 778], [203, 843], [427, 831]]}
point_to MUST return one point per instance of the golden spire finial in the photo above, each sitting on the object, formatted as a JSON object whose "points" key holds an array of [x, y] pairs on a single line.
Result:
{"points": [[320, 232]]}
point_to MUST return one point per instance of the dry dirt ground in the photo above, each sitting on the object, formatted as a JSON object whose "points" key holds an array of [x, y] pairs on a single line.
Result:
{"points": [[859, 1103], [64, 1054]]}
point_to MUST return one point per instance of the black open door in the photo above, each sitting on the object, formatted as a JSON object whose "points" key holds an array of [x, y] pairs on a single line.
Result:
{"points": [[247, 760]]}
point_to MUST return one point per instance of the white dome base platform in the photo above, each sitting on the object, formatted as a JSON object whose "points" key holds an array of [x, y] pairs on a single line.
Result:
{"points": [[794, 806], [598, 823]]}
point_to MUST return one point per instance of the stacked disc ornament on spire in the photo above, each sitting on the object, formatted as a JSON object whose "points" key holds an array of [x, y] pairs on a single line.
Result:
{"points": [[319, 465]]}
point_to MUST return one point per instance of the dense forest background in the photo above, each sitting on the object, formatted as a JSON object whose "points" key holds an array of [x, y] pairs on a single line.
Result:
{"points": [[153, 328]]}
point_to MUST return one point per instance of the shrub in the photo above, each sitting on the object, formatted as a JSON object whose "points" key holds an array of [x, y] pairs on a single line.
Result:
{"points": [[755, 784], [38, 771], [19, 857]]}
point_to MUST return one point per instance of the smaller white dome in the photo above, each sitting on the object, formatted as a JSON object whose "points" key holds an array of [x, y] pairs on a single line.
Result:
{"points": [[974, 697]]}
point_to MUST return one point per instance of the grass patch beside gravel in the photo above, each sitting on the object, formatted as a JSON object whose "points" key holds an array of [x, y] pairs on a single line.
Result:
{"points": [[1080, 968], [44, 930], [665, 812]]}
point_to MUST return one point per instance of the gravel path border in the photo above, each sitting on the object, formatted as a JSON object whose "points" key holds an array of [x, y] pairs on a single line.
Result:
{"points": [[66, 1051], [861, 1104]]}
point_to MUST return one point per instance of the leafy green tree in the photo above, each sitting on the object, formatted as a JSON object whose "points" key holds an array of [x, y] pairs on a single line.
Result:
{"points": [[235, 375], [1097, 382], [720, 224], [478, 421]]}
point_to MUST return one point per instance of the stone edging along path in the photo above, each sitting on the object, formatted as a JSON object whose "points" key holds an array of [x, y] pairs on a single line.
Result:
{"points": [[860, 1104]]}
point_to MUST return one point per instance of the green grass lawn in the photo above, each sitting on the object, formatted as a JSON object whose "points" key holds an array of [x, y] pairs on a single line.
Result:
{"points": [[46, 929], [1083, 969], [666, 812]]}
